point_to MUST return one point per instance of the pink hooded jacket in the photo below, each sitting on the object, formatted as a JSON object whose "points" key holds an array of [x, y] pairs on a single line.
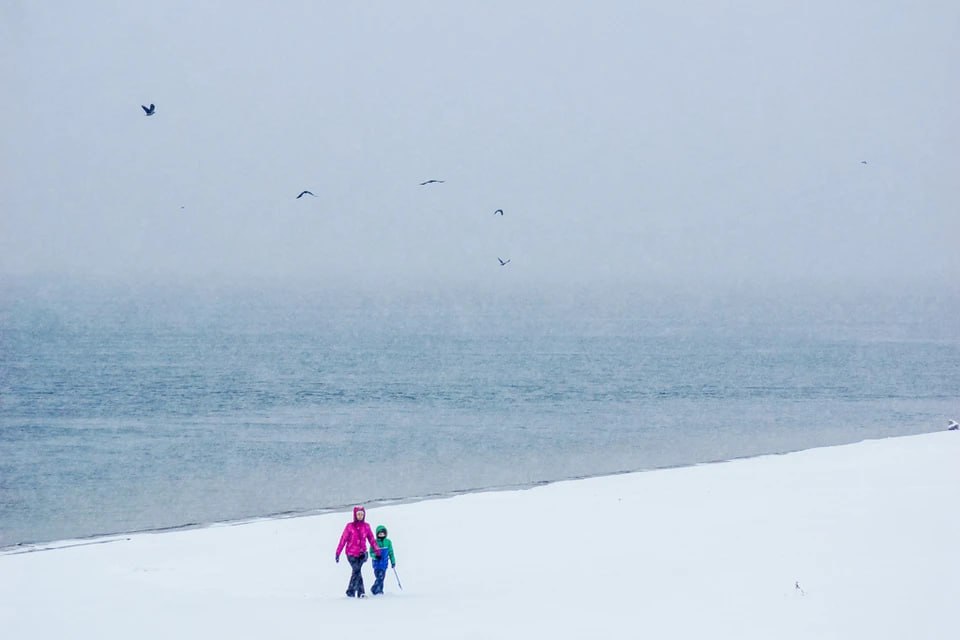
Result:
{"points": [[356, 535]]}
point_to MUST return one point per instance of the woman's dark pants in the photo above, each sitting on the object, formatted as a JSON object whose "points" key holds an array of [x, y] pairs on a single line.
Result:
{"points": [[356, 579]]}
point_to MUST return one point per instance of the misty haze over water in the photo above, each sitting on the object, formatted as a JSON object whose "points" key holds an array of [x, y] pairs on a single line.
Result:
{"points": [[126, 409]]}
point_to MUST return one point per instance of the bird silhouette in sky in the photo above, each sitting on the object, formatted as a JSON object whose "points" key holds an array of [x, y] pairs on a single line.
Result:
{"points": [[431, 182], [149, 111], [863, 162], [306, 193], [500, 211], [504, 263]]}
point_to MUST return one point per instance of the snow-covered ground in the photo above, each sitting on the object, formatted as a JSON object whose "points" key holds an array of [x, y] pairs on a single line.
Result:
{"points": [[857, 541]]}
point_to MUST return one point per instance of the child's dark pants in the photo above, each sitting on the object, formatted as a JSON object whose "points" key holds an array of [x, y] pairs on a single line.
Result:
{"points": [[355, 588], [378, 573]]}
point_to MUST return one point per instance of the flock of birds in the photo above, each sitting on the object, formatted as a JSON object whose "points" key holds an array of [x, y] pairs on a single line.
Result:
{"points": [[152, 110]]}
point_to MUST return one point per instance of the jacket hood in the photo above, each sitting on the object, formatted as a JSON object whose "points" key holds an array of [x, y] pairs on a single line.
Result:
{"points": [[357, 508], [380, 528]]}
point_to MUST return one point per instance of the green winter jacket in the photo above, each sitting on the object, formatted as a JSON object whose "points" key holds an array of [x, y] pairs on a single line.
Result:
{"points": [[386, 551]]}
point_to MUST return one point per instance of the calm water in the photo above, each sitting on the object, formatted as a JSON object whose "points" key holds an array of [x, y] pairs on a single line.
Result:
{"points": [[126, 409]]}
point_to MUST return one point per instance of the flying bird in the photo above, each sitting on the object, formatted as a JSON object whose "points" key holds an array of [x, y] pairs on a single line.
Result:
{"points": [[502, 263], [305, 193], [500, 211], [149, 111], [953, 426], [863, 162], [431, 182]]}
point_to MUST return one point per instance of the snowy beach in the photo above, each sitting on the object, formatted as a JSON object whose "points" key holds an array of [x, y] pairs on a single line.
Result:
{"points": [[854, 541]]}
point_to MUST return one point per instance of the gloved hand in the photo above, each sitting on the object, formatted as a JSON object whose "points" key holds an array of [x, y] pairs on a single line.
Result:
{"points": [[393, 566], [378, 556], [338, 559]]}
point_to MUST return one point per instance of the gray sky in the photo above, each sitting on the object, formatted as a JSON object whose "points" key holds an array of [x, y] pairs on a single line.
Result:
{"points": [[628, 140]]}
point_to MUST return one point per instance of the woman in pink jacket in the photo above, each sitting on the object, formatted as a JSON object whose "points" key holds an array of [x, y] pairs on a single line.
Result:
{"points": [[355, 537]]}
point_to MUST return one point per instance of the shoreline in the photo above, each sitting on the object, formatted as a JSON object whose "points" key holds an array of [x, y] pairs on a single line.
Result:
{"points": [[119, 536]]}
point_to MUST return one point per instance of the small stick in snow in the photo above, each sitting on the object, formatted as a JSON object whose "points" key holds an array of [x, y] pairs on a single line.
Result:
{"points": [[798, 588]]}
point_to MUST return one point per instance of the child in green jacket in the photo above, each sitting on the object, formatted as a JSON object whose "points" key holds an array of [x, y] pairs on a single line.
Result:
{"points": [[380, 559]]}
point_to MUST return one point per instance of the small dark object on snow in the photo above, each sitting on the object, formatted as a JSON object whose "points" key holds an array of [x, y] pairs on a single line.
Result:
{"points": [[954, 426], [502, 263], [500, 211], [149, 111]]}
